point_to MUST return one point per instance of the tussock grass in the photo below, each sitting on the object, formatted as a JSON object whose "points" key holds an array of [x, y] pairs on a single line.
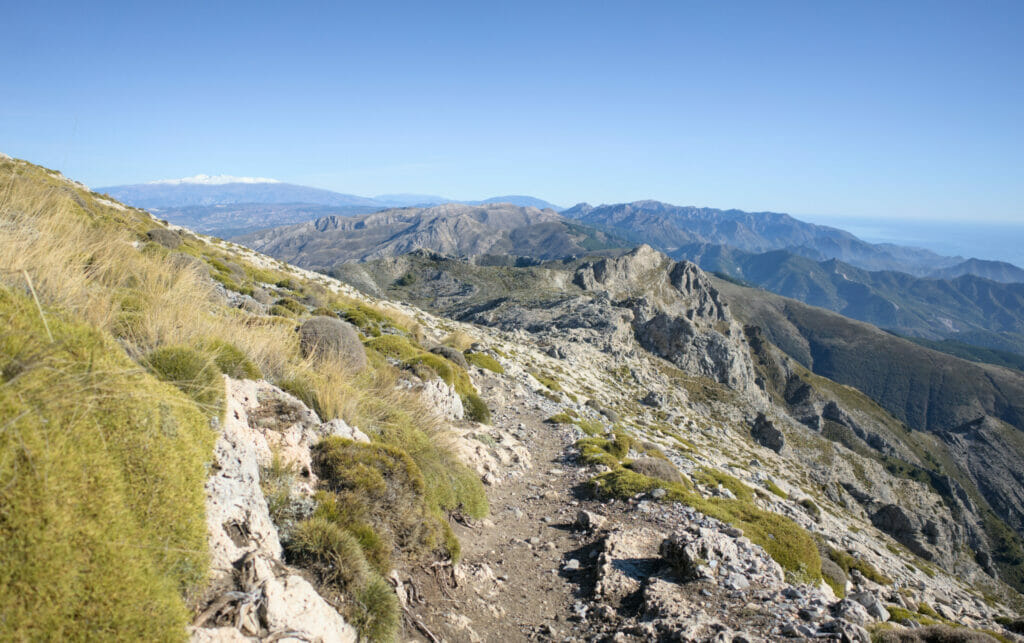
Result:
{"points": [[96, 264], [101, 486]]}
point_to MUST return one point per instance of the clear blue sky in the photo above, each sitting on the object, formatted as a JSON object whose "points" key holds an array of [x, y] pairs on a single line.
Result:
{"points": [[876, 109]]}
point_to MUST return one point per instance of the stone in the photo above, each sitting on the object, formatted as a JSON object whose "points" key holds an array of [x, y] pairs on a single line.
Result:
{"points": [[874, 606], [571, 565], [846, 631], [654, 399], [291, 604], [331, 337], [589, 521], [765, 433], [341, 429], [851, 611]]}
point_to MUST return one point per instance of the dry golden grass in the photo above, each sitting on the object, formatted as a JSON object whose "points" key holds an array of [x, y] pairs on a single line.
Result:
{"points": [[93, 263]]}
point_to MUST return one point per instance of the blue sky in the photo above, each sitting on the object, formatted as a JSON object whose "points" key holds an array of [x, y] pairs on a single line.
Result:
{"points": [[885, 110]]}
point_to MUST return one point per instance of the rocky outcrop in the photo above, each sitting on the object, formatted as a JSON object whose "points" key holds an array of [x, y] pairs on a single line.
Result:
{"points": [[253, 593], [677, 313], [986, 449], [765, 433]]}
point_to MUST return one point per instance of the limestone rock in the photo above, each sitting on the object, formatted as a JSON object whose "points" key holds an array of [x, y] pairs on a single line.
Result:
{"points": [[766, 434], [290, 604]]}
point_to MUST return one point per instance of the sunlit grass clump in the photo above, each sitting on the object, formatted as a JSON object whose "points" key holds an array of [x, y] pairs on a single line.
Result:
{"points": [[101, 486]]}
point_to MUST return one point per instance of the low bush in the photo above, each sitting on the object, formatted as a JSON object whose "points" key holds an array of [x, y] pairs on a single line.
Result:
{"points": [[774, 488], [848, 563], [193, 372], [290, 305], [331, 553], [376, 613], [232, 361], [656, 468], [486, 362], [476, 409], [394, 346]]}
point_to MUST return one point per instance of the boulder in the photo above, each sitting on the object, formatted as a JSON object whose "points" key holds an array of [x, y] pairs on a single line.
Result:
{"points": [[851, 611], [846, 631], [340, 428], [589, 521], [331, 337], [874, 606], [290, 604], [765, 433]]}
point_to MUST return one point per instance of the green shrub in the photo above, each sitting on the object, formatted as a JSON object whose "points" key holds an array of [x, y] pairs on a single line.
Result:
{"points": [[376, 613], [774, 488], [280, 311], [102, 469], [192, 372], [848, 563], [302, 387], [485, 361], [656, 468], [549, 382], [367, 319], [232, 361], [290, 305], [476, 409], [395, 346], [811, 508], [390, 484], [276, 482], [596, 450], [624, 483], [559, 418], [349, 510], [330, 552], [713, 477]]}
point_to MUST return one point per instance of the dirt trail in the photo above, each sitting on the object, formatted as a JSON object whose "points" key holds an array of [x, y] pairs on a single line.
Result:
{"points": [[513, 586]]}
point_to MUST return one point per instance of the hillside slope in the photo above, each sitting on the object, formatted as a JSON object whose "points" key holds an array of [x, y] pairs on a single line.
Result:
{"points": [[644, 473], [966, 308]]}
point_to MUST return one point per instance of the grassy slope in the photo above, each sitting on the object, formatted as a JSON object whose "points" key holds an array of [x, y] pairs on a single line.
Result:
{"points": [[107, 547]]}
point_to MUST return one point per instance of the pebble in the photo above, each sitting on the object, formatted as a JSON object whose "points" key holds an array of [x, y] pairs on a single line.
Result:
{"points": [[571, 565]]}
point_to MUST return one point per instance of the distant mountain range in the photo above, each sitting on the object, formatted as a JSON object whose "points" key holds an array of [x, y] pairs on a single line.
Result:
{"points": [[909, 291], [495, 230], [227, 206], [670, 228], [969, 309]]}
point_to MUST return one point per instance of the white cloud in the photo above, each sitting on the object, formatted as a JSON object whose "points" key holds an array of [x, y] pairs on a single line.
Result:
{"points": [[220, 179]]}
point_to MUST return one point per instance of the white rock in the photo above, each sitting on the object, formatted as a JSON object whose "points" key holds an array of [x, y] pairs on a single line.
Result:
{"points": [[292, 605]]}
